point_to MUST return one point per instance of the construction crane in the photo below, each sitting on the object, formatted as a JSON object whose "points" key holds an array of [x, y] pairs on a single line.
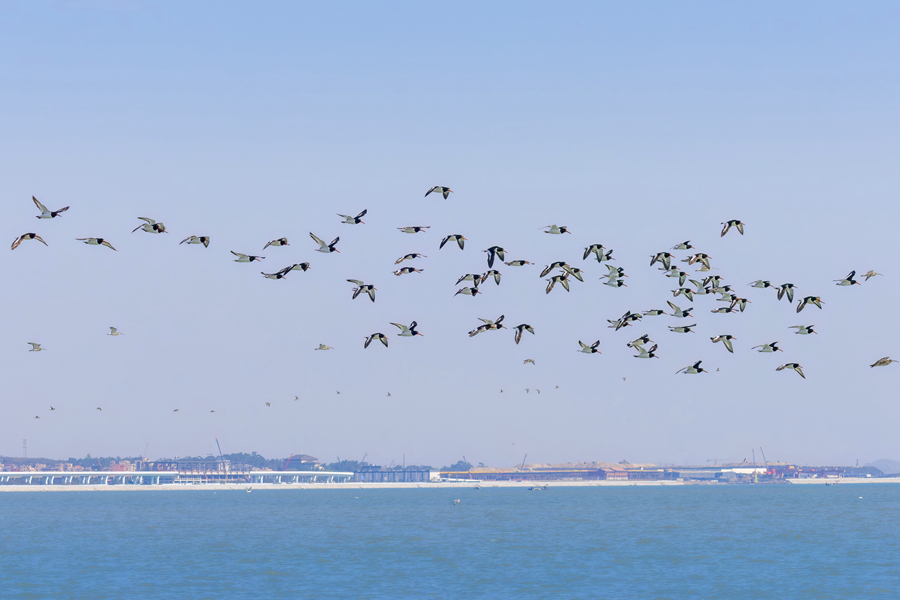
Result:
{"points": [[765, 462], [523, 462], [287, 462], [222, 458]]}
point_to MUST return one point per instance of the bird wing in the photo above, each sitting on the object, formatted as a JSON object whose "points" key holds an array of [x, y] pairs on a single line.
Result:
{"points": [[40, 206], [16, 242], [518, 334], [674, 307], [461, 242], [334, 241], [368, 341], [740, 227], [565, 283], [384, 341], [444, 241], [187, 239], [113, 330], [728, 345], [149, 221], [726, 228], [362, 214], [499, 319], [35, 346], [318, 240], [550, 285], [239, 255], [428, 192], [371, 292]]}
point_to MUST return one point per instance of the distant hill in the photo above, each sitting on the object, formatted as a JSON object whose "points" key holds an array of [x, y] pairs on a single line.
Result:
{"points": [[886, 465]]}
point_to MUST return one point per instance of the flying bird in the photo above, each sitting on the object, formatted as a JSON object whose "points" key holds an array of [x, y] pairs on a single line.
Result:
{"points": [[114, 331], [644, 339], [245, 258], [726, 340], [323, 247], [883, 362], [553, 229], [495, 251], [409, 257], [803, 329], [563, 280], [759, 283], [554, 265], [528, 360], [196, 239], [304, 266], [456, 237], [324, 347], [683, 329], [414, 229], [439, 189], [592, 349], [771, 347], [474, 277], [96, 242], [376, 337], [663, 257], [848, 280], [683, 246], [279, 242], [596, 249], [354, 220], [492, 273], [363, 288], [278, 274], [574, 272], [45, 213], [810, 300], [35, 347], [733, 223], [787, 289], [26, 236], [693, 369], [870, 274], [150, 226], [521, 328], [467, 291], [677, 312], [407, 271], [407, 331], [644, 353], [793, 366], [517, 263]]}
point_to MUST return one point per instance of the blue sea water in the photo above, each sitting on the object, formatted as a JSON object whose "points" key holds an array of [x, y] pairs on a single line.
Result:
{"points": [[758, 542]]}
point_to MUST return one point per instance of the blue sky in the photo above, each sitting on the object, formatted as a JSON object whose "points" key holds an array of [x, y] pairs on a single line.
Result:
{"points": [[637, 126]]}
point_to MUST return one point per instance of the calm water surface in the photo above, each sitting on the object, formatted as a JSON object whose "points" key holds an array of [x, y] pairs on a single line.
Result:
{"points": [[648, 542]]}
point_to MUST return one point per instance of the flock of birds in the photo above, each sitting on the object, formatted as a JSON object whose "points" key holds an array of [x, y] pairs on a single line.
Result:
{"points": [[559, 273]]}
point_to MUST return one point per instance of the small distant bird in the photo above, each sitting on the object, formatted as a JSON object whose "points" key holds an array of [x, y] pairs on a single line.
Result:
{"points": [[26, 236], [323, 247], [278, 274], [268, 404], [279, 242], [883, 362], [304, 266], [733, 223], [296, 398], [245, 258], [596, 249], [409, 257], [96, 242], [212, 411], [663, 257], [36, 417], [518, 263], [457, 502], [560, 264], [723, 309], [683, 246], [474, 277], [574, 272], [492, 273], [616, 283], [699, 257], [528, 360], [519, 329], [848, 280], [677, 312], [688, 293], [786, 289], [563, 280], [495, 251], [553, 229], [414, 229], [376, 336], [870, 274], [741, 303], [196, 239], [759, 283], [771, 347], [338, 391], [456, 237], [644, 339], [114, 331], [644, 353], [467, 291], [726, 340], [407, 271], [101, 410], [176, 410], [683, 329], [803, 329], [150, 226], [681, 275], [439, 189], [655, 312], [45, 213], [793, 366], [348, 220], [407, 331], [592, 349], [389, 394], [527, 390], [363, 288], [810, 300], [35, 347], [51, 408], [693, 369]]}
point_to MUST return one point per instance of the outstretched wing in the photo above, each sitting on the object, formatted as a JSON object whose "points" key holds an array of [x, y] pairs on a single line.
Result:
{"points": [[362, 214], [318, 240], [40, 206]]}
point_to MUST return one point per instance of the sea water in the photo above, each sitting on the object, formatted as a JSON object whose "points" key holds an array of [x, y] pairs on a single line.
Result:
{"points": [[704, 541]]}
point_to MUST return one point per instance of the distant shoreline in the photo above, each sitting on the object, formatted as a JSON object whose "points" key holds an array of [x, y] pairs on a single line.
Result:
{"points": [[435, 486]]}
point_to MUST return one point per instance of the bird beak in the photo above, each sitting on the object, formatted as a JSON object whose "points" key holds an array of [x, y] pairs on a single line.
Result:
{"points": [[417, 333]]}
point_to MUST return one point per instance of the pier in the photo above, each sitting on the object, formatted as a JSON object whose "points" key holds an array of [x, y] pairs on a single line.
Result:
{"points": [[76, 478]]}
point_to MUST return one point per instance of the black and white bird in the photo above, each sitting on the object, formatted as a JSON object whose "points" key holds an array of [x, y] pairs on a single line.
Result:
{"points": [[407, 271], [380, 337], [455, 237], [196, 239], [683, 246], [553, 229], [616, 283], [245, 258], [467, 291], [527, 361], [786, 289], [810, 300], [150, 226], [520, 328], [24, 237], [644, 353], [96, 242], [770, 347], [414, 228], [592, 349], [439, 189], [518, 263], [495, 251], [677, 312], [675, 272], [733, 223], [45, 212], [693, 369], [363, 288], [407, 331], [574, 272], [560, 264], [726, 340], [699, 257], [493, 273], [682, 328], [475, 278], [596, 249], [644, 339], [410, 256], [848, 280], [278, 274], [723, 310], [353, 220], [793, 366], [803, 329], [654, 312], [760, 283], [686, 292], [304, 266], [663, 257], [563, 280], [323, 247], [277, 243]]}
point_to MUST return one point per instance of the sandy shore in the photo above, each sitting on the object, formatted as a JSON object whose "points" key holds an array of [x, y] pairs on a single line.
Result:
{"points": [[844, 480]]}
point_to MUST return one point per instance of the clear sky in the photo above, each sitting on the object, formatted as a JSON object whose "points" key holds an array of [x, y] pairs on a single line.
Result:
{"points": [[637, 125]]}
